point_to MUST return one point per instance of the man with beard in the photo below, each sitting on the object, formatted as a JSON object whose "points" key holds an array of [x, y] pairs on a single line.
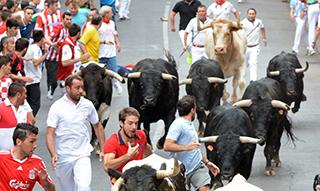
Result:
{"points": [[69, 134], [20, 168], [182, 141], [128, 143]]}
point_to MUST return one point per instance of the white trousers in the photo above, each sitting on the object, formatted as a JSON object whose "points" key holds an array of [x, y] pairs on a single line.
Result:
{"points": [[75, 175], [124, 8], [313, 13], [252, 59], [181, 35], [301, 33], [197, 53]]}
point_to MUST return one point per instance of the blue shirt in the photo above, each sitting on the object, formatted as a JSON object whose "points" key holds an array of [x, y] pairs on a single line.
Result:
{"points": [[183, 132], [107, 2], [26, 30], [298, 7], [81, 17]]}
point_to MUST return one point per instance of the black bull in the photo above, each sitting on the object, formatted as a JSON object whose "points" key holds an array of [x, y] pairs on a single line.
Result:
{"points": [[146, 178], [230, 142], [263, 102], [153, 90], [286, 69], [98, 89], [205, 82]]}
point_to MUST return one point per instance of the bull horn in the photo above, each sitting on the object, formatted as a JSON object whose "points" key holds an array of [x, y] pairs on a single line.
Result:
{"points": [[211, 139], [169, 173], [274, 73], [117, 184], [280, 105], [168, 76], [134, 75], [217, 80], [201, 27], [185, 81], [114, 74], [244, 139], [301, 70], [243, 103]]}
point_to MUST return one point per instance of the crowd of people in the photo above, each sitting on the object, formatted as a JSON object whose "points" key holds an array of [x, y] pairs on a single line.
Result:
{"points": [[36, 34]]}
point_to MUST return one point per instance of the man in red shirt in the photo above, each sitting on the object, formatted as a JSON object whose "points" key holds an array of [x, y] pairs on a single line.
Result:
{"points": [[67, 56], [20, 169], [128, 143]]}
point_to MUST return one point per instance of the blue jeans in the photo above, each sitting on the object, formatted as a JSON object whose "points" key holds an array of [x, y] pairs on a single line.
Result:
{"points": [[111, 63]]}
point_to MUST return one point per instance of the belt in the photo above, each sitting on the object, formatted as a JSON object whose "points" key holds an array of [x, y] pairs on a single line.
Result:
{"points": [[250, 46], [197, 45], [312, 3]]}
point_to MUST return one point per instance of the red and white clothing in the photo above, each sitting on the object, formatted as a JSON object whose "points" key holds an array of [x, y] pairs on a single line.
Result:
{"points": [[9, 118], [66, 52], [19, 175], [51, 25], [107, 31], [221, 11], [4, 87], [117, 146]]}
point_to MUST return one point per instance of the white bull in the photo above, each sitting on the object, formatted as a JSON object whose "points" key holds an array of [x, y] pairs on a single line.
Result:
{"points": [[226, 43]]}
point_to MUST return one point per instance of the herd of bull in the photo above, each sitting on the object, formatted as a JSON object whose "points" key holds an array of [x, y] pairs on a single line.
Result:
{"points": [[231, 131]]}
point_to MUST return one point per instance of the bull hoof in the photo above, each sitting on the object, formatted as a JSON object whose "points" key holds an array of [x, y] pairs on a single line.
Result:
{"points": [[234, 99], [270, 172], [294, 110], [201, 133], [276, 164], [160, 144], [217, 184], [242, 85]]}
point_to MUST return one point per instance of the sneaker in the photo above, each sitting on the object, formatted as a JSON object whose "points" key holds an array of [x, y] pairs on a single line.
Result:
{"points": [[122, 18], [49, 96], [311, 52], [127, 17], [294, 52], [239, 1]]}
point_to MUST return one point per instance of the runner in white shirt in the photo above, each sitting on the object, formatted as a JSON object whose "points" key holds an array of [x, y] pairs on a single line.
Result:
{"points": [[253, 26], [222, 9], [197, 38], [69, 135]]}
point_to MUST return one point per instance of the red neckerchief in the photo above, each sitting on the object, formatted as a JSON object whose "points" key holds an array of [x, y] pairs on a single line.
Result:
{"points": [[220, 2], [107, 21], [73, 42]]}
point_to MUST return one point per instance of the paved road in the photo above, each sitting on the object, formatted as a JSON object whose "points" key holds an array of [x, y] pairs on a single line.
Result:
{"points": [[143, 36]]}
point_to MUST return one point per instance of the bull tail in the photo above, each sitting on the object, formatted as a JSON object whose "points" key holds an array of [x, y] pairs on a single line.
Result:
{"points": [[170, 58], [287, 124]]}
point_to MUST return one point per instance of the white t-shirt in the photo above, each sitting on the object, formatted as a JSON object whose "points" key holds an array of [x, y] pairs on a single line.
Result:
{"points": [[198, 38], [31, 70], [224, 11], [72, 127], [106, 33], [252, 30]]}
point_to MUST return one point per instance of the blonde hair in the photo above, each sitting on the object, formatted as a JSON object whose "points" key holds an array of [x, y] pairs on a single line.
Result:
{"points": [[104, 9]]}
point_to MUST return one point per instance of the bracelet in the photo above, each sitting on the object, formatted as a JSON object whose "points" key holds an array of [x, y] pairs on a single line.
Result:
{"points": [[206, 163]]}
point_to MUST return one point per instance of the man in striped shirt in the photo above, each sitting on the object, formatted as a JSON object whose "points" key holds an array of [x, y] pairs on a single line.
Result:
{"points": [[50, 22]]}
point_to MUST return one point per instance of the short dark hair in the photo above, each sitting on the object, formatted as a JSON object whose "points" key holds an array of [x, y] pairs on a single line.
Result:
{"points": [[23, 130], [74, 30], [12, 23], [10, 4], [96, 19], [21, 44], [5, 14], [253, 9], [37, 36], [185, 104], [127, 111], [51, 2], [66, 14], [70, 79], [4, 60], [14, 88], [202, 6], [24, 4]]}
